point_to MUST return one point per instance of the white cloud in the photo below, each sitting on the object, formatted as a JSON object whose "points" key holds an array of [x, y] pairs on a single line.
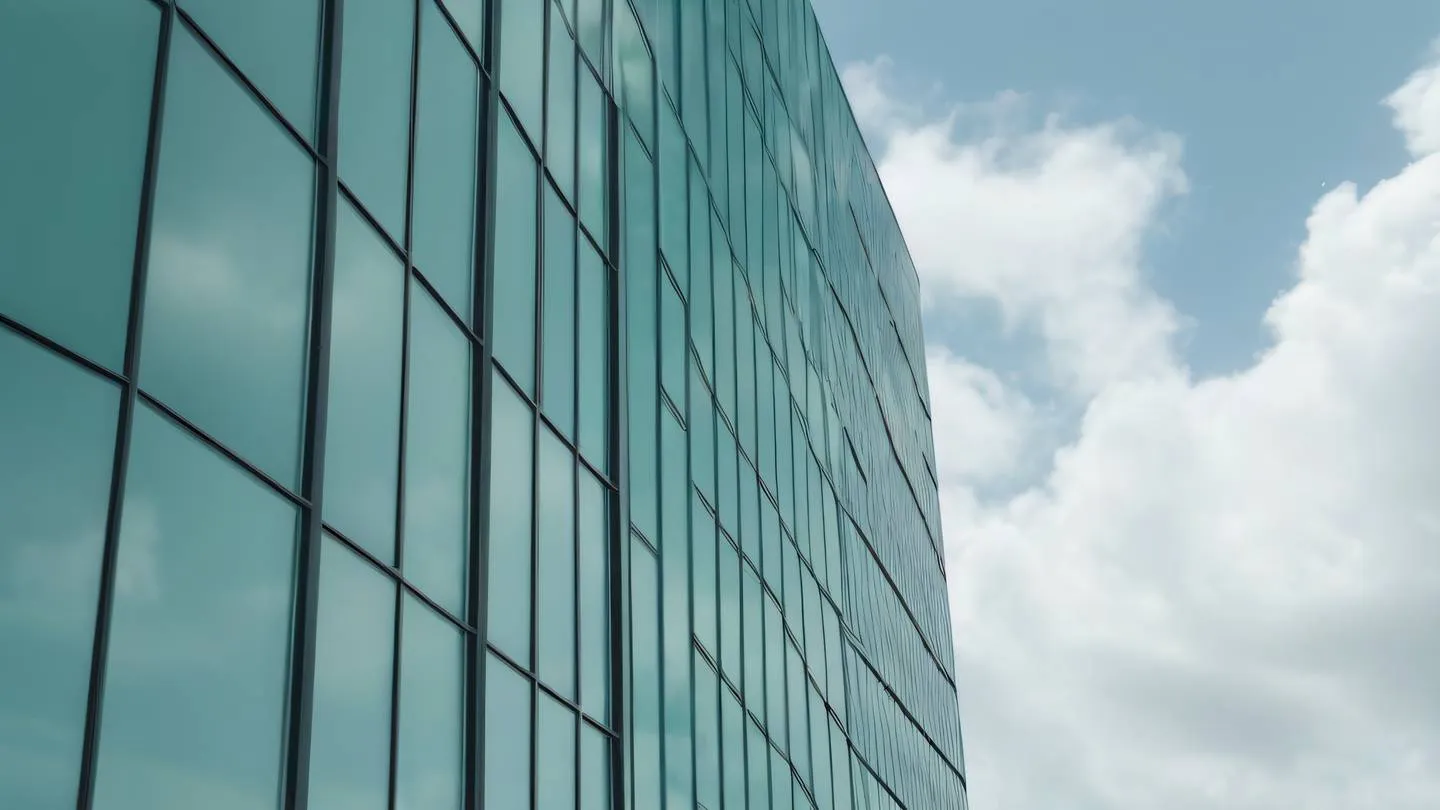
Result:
{"points": [[1224, 593]]}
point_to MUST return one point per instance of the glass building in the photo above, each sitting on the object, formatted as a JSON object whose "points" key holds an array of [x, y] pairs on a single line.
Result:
{"points": [[495, 404]]}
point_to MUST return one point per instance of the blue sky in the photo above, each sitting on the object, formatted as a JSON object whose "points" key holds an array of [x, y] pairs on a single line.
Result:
{"points": [[1271, 98], [1181, 270]]}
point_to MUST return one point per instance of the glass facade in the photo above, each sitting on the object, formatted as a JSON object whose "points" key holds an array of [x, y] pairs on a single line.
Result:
{"points": [[476, 404]]}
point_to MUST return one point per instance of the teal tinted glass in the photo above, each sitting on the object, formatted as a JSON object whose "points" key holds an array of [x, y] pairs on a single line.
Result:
{"points": [[641, 278], [362, 437], [702, 560], [646, 729], [590, 25], [227, 305], [594, 569], [508, 696], [512, 434], [596, 336], [276, 43], [522, 61], [729, 608], [354, 659], [514, 271], [560, 107], [375, 107], [707, 735], [554, 756], [673, 344], [558, 315], [593, 155], [732, 735], [555, 561], [447, 129], [430, 736], [594, 765], [57, 425], [437, 454], [636, 72], [195, 682], [470, 16], [73, 163]]}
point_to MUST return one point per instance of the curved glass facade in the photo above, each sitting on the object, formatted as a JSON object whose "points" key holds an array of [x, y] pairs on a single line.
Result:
{"points": [[476, 404]]}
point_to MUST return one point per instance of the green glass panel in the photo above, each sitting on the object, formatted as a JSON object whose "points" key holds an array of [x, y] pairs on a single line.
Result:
{"points": [[375, 107], [554, 756], [227, 304], [430, 732], [437, 454], [508, 697], [758, 768], [57, 425], [594, 565], [595, 340], [730, 610], [593, 156], [195, 682], [555, 560], [470, 16], [73, 162], [732, 733], [522, 61], [702, 434], [702, 538], [590, 27], [646, 729], [354, 662], [673, 166], [635, 71], [560, 108], [775, 717], [676, 630], [594, 766], [447, 127], [512, 426], [673, 343], [362, 438], [692, 70], [641, 277], [701, 313], [515, 248], [753, 601], [558, 315], [276, 43], [707, 735]]}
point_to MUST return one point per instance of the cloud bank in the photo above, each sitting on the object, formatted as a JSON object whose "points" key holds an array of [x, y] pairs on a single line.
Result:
{"points": [[1223, 592]]}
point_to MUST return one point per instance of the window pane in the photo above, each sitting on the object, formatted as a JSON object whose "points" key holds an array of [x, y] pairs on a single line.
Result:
{"points": [[758, 771], [522, 61], [707, 736], [596, 339], [594, 766], [702, 434], [375, 106], [594, 156], [57, 425], [730, 611], [275, 42], [512, 435], [446, 128], [558, 314], [507, 737], [227, 305], [673, 343], [732, 718], [556, 562], [672, 166], [470, 16], [430, 767], [640, 324], [702, 534], [437, 454], [354, 657], [200, 631], [594, 516], [515, 235], [73, 162], [636, 72], [645, 675], [560, 101], [362, 439], [555, 756], [590, 27]]}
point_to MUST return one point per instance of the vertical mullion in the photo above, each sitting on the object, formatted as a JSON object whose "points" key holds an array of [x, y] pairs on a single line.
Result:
{"points": [[483, 386], [541, 140], [396, 670], [619, 450], [100, 649], [307, 594]]}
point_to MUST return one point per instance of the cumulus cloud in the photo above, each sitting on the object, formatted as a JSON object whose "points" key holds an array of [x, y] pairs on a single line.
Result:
{"points": [[1223, 592]]}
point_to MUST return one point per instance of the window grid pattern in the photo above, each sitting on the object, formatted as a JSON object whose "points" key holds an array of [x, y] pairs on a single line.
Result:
{"points": [[773, 347], [586, 458], [347, 241]]}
